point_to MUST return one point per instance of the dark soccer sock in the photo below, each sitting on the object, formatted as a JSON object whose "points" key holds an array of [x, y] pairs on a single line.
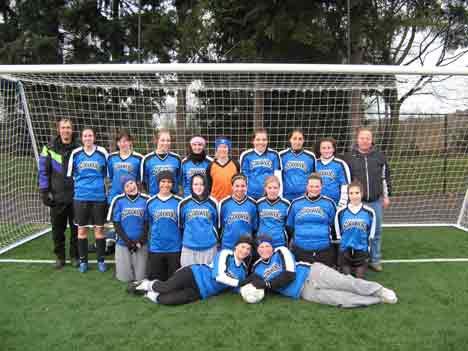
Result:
{"points": [[83, 250], [100, 249]]}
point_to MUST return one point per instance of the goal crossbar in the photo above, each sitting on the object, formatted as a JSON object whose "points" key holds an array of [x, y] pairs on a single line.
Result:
{"points": [[234, 68]]}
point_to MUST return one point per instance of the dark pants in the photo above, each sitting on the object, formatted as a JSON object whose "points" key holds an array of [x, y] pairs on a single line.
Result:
{"points": [[162, 266], [325, 256], [181, 288], [59, 217], [354, 261]]}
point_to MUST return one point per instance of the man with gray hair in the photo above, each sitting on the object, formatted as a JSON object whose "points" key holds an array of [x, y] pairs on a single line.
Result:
{"points": [[57, 190]]}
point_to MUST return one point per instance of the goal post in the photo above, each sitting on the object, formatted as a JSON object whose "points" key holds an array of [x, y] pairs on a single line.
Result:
{"points": [[418, 116]]}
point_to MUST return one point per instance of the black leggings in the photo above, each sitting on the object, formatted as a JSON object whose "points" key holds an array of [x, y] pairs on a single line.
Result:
{"points": [[181, 288]]}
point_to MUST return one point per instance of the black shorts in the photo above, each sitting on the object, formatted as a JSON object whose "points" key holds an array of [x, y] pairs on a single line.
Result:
{"points": [[162, 266], [353, 258], [325, 256], [89, 213]]}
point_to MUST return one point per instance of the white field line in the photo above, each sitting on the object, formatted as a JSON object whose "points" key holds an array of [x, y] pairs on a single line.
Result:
{"points": [[12, 260], [417, 260]]}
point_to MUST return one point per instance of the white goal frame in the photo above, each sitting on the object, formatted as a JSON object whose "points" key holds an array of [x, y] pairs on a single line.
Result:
{"points": [[8, 72]]}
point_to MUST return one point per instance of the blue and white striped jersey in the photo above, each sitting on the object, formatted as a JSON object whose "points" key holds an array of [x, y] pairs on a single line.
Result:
{"points": [[198, 222], [236, 218], [131, 215], [224, 273], [312, 220], [89, 172], [188, 169], [297, 166], [272, 216], [256, 167], [120, 169], [335, 174], [164, 232], [153, 163], [355, 227], [283, 260]]}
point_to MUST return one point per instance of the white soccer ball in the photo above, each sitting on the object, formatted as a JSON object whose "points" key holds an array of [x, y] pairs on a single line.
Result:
{"points": [[251, 294]]}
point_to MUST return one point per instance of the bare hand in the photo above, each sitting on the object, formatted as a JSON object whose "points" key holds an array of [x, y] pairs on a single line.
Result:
{"points": [[386, 202]]}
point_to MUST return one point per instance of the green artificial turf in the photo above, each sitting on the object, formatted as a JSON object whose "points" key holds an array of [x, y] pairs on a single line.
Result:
{"points": [[43, 309]]}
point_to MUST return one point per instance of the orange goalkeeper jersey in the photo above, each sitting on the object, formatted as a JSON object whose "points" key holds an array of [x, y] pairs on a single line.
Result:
{"points": [[220, 177]]}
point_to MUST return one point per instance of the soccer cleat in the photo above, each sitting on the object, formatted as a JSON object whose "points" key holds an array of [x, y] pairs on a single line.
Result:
{"points": [[139, 287], [152, 296], [83, 267], [102, 267], [388, 296]]}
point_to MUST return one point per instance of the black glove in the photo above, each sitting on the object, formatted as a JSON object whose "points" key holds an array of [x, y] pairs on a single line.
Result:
{"points": [[47, 198], [136, 245], [131, 245], [259, 283], [247, 280]]}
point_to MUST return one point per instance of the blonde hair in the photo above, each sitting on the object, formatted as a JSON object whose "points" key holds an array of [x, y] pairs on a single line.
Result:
{"points": [[271, 179]]}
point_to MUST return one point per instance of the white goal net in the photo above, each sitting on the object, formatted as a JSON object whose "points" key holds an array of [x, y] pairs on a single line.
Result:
{"points": [[419, 118]]}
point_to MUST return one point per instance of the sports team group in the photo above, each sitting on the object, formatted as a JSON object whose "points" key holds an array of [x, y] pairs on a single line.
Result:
{"points": [[297, 223]]}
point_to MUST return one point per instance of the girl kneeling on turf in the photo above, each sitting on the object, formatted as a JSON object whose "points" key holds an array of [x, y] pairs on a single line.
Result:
{"points": [[355, 227], [278, 271], [88, 167], [199, 281], [127, 211]]}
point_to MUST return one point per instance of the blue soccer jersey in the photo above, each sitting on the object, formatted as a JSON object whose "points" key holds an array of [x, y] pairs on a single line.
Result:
{"points": [[198, 222], [130, 214], [256, 167], [188, 169], [272, 217], [153, 163], [89, 172], [297, 166], [281, 261], [119, 169], [312, 221], [355, 227], [224, 273], [335, 178], [236, 218], [164, 233]]}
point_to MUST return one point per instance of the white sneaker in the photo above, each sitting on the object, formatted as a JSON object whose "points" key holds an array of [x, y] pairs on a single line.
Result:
{"points": [[152, 296], [139, 287], [388, 296], [144, 285]]}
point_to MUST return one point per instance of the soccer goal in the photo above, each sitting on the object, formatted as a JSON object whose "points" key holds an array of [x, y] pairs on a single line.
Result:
{"points": [[419, 117]]}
